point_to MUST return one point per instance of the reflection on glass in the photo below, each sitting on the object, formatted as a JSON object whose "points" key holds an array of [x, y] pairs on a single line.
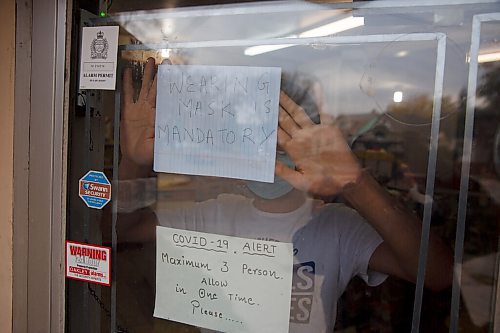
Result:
{"points": [[332, 242], [351, 186]]}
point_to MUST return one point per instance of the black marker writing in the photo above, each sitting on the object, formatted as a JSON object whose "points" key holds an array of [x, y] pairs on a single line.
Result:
{"points": [[184, 262]]}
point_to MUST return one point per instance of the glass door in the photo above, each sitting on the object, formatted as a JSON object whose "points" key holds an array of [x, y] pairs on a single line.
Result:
{"points": [[283, 167]]}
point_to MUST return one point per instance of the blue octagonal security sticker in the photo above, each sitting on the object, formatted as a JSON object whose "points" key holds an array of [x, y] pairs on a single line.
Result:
{"points": [[95, 189]]}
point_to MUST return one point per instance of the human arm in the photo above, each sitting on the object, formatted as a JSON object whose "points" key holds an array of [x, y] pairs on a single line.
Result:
{"points": [[326, 166]]}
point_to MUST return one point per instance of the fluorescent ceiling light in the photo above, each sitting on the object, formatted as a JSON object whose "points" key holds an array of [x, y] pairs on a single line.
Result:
{"points": [[488, 57], [259, 49], [334, 27], [324, 30], [485, 57]]}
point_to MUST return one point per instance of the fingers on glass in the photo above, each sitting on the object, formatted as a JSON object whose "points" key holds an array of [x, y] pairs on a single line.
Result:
{"points": [[151, 98], [128, 86], [324, 116], [283, 138], [295, 111], [152, 116], [287, 123], [296, 179], [149, 132], [148, 78]]}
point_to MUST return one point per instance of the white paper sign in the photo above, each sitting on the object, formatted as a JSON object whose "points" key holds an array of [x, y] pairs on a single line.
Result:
{"points": [[223, 283], [98, 58], [217, 121], [90, 263]]}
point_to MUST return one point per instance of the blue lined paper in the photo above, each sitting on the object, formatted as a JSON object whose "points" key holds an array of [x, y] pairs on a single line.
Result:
{"points": [[217, 121]]}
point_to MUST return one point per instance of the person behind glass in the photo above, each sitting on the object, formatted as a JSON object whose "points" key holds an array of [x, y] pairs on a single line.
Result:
{"points": [[332, 242]]}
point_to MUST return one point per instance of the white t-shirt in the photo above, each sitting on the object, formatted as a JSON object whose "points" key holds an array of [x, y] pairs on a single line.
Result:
{"points": [[332, 244]]}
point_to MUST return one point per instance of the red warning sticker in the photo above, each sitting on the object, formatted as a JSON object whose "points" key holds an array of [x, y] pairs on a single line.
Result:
{"points": [[91, 263]]}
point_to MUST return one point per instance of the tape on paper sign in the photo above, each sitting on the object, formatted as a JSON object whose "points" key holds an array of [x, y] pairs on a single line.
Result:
{"points": [[228, 284], [90, 263]]}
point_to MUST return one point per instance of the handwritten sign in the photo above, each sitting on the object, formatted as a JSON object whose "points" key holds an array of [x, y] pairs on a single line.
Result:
{"points": [[217, 121], [223, 283]]}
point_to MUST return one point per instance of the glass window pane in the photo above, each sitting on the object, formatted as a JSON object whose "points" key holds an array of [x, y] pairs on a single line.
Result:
{"points": [[386, 171]]}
